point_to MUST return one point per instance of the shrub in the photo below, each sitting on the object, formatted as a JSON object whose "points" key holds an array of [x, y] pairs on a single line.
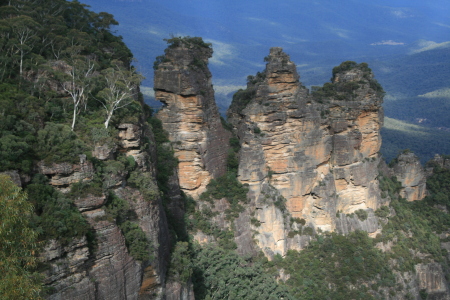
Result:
{"points": [[300, 221], [190, 42], [56, 143], [137, 243], [56, 215], [255, 222], [382, 212], [180, 267], [308, 231], [144, 182], [117, 208], [361, 214]]}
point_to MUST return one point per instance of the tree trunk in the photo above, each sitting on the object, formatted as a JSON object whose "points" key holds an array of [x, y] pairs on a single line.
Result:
{"points": [[74, 116], [108, 119]]}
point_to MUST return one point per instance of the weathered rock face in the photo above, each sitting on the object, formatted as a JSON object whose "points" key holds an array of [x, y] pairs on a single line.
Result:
{"points": [[319, 151], [190, 115], [432, 278], [105, 269], [64, 174], [111, 274], [411, 174], [440, 161]]}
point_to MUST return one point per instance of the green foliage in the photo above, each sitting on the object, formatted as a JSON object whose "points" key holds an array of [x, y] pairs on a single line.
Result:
{"points": [[180, 268], [232, 161], [228, 187], [346, 90], [413, 227], [334, 266], [258, 78], [280, 203], [382, 212], [222, 274], [390, 185], [137, 243], [308, 231], [348, 65], [159, 60], [84, 189], [145, 183], [117, 208], [233, 155], [438, 187], [18, 244], [256, 130], [361, 214], [300, 221], [242, 98], [423, 294], [16, 144], [56, 215], [166, 162], [56, 143], [255, 222], [187, 41]]}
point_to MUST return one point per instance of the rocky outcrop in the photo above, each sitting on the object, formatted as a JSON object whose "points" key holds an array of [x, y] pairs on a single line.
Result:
{"points": [[319, 150], [411, 174], [440, 161], [152, 220], [102, 267], [431, 278], [62, 175], [110, 274], [15, 177], [190, 115], [179, 291], [132, 144]]}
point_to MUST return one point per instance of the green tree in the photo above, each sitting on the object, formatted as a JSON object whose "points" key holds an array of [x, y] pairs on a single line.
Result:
{"points": [[120, 90], [18, 244], [78, 83]]}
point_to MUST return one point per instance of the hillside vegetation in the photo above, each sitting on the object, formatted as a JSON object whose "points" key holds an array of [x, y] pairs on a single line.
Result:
{"points": [[66, 83]]}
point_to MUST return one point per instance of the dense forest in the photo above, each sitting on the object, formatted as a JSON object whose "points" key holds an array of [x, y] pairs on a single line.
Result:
{"points": [[66, 82]]}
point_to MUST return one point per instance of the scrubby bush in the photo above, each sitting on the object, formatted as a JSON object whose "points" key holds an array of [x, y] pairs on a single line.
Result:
{"points": [[57, 143], [137, 243], [361, 214], [56, 215], [144, 182]]}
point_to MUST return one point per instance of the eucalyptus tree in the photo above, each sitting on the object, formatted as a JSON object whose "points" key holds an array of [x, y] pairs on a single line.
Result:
{"points": [[18, 244], [121, 89]]}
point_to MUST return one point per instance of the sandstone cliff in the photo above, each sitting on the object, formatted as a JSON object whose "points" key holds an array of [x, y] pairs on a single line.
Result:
{"points": [[190, 115], [319, 151], [103, 268], [409, 171]]}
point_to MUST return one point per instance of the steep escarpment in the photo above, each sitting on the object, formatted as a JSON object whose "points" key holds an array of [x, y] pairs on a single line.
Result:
{"points": [[110, 263], [318, 150], [190, 115]]}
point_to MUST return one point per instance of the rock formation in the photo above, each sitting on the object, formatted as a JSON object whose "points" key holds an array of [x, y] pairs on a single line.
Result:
{"points": [[410, 173], [190, 115], [76, 270], [319, 150]]}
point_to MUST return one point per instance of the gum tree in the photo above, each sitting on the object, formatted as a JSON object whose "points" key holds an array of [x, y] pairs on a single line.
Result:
{"points": [[120, 90], [18, 244]]}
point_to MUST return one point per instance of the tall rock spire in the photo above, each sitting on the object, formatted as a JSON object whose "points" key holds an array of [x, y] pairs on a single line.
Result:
{"points": [[318, 150], [190, 115]]}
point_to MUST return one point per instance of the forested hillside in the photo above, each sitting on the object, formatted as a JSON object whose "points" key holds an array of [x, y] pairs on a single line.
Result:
{"points": [[91, 205], [66, 81]]}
